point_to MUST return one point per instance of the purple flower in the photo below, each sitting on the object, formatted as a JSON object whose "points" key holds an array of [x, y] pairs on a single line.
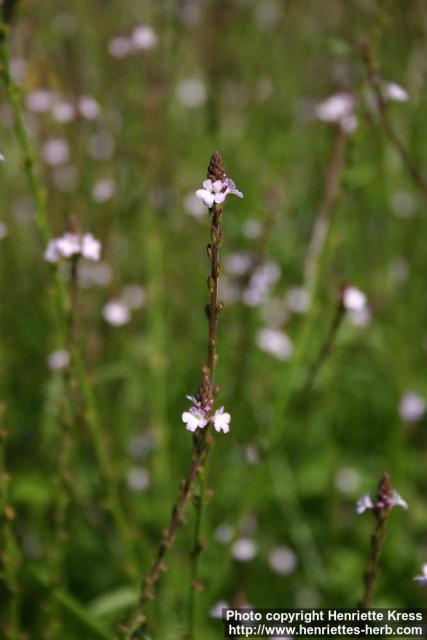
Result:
{"points": [[216, 192], [422, 579]]}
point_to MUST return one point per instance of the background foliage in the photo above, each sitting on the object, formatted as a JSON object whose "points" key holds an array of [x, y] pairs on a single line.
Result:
{"points": [[262, 66]]}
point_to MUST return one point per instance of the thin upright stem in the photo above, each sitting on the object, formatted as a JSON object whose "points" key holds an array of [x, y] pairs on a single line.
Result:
{"points": [[202, 438], [381, 103], [324, 214]]}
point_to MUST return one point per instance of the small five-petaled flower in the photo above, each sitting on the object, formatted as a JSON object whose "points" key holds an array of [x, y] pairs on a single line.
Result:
{"points": [[197, 417], [216, 192]]}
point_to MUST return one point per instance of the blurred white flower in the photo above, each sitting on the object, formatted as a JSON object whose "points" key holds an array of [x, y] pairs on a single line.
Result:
{"points": [[238, 264], [393, 91], [223, 533], [56, 151], [58, 359], [119, 47], [191, 92], [134, 296], [298, 299], [90, 247], [347, 480], [403, 204], [73, 244], [88, 108], [138, 479], [360, 317], [252, 228], [194, 419], [364, 503], [221, 420], [144, 37], [339, 109], [63, 111], [216, 611], [193, 205], [261, 283], [282, 560], [353, 299], [40, 100], [412, 407], [422, 579], [103, 190], [275, 342], [2, 158], [244, 550], [3, 231], [116, 313]]}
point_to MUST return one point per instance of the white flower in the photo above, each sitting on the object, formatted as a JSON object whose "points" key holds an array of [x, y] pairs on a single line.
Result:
{"points": [[364, 503], [282, 560], [56, 151], [238, 263], [412, 407], [422, 579], [144, 37], [88, 108], [338, 109], [347, 480], [58, 359], [40, 100], [393, 91], [221, 420], [353, 299], [212, 192], [134, 296], [71, 244], [138, 479], [275, 342], [103, 190], [217, 609], [119, 47], [216, 192], [193, 206], [194, 419], [116, 313], [244, 549], [224, 533], [191, 92], [1, 157], [90, 247], [398, 501], [63, 111], [298, 299]]}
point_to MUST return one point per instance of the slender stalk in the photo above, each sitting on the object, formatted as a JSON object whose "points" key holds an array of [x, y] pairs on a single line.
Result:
{"points": [[41, 217], [381, 511], [375, 82], [202, 438], [325, 349], [323, 218]]}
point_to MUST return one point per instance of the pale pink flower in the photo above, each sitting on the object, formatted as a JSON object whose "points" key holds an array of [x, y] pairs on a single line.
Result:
{"points": [[393, 91], [63, 111], [216, 192], [119, 47], [412, 407], [282, 560], [56, 151], [244, 550], [194, 419], [353, 299], [221, 420], [191, 92], [103, 190], [422, 579], [88, 108], [116, 313], [339, 109], [40, 100], [144, 37], [58, 359], [275, 342]]}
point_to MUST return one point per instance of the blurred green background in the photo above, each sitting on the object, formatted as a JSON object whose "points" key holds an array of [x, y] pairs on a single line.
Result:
{"points": [[122, 124]]}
